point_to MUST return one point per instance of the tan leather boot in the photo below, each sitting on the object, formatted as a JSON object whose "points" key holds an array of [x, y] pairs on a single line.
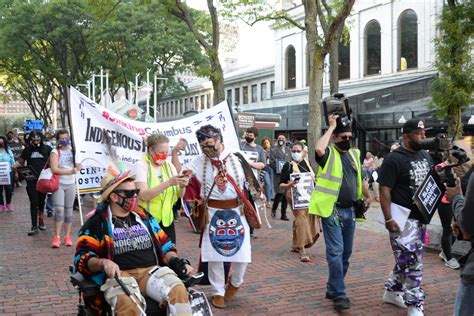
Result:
{"points": [[218, 301], [230, 292]]}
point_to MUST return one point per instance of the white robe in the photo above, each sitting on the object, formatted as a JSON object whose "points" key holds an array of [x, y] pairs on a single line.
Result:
{"points": [[218, 242]]}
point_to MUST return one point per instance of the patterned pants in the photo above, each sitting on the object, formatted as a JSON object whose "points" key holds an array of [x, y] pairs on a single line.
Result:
{"points": [[408, 271]]}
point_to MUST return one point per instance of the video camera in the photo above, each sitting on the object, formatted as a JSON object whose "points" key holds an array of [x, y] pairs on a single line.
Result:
{"points": [[441, 149], [338, 105]]}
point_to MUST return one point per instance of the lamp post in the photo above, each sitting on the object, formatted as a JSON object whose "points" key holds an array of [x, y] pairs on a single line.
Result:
{"points": [[155, 97], [402, 119]]}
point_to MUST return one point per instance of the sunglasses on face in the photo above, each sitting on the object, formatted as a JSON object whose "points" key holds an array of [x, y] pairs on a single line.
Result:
{"points": [[127, 193], [345, 137]]}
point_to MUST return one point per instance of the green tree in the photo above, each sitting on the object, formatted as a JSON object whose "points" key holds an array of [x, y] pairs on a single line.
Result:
{"points": [[140, 36], [47, 39], [208, 38], [323, 25], [453, 90]]}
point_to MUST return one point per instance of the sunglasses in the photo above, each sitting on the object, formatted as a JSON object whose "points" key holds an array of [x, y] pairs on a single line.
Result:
{"points": [[345, 137], [127, 193]]}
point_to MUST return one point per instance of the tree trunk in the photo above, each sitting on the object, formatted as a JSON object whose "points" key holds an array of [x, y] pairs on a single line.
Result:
{"points": [[314, 109], [334, 63], [217, 79]]}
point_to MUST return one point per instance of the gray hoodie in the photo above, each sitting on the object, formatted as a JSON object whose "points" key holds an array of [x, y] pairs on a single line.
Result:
{"points": [[463, 209]]}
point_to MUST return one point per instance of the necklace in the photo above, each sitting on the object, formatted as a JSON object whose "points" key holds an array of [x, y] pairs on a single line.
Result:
{"points": [[124, 223]]}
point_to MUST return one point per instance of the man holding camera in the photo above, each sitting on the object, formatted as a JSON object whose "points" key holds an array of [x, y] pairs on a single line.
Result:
{"points": [[339, 185], [402, 172], [463, 211]]}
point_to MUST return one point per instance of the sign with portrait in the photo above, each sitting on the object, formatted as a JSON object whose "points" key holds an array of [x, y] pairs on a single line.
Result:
{"points": [[27, 173], [279, 165], [301, 193]]}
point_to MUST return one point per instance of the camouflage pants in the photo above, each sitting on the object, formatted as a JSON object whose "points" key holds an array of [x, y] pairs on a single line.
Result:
{"points": [[408, 271]]}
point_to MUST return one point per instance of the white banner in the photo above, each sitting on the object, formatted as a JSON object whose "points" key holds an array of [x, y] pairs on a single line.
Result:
{"points": [[91, 122]]}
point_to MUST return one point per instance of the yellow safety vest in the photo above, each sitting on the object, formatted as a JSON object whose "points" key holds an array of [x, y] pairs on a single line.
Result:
{"points": [[328, 183], [161, 206]]}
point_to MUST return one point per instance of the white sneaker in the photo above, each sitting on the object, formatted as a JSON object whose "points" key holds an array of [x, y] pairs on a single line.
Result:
{"points": [[443, 256], [452, 263], [395, 298], [415, 310]]}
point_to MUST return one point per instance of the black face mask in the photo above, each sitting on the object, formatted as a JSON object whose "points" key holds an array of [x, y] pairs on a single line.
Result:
{"points": [[281, 142], [344, 145], [249, 139]]}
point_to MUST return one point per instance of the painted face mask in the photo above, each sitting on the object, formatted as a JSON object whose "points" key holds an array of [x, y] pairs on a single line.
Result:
{"points": [[266, 145], [157, 157], [210, 151], [226, 232], [129, 204], [281, 142], [64, 142]]}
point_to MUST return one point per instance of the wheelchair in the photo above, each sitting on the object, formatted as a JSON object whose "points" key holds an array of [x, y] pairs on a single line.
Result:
{"points": [[199, 303]]}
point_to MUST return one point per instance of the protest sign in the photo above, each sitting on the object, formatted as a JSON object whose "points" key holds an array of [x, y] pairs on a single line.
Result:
{"points": [[5, 173], [429, 194], [301, 193], [97, 131]]}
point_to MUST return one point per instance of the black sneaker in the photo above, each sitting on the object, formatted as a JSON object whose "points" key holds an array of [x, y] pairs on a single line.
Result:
{"points": [[34, 231], [284, 218], [273, 214], [49, 213], [341, 303], [329, 296], [252, 236]]}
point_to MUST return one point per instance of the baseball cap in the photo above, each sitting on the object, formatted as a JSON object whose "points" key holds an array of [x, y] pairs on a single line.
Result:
{"points": [[413, 125]]}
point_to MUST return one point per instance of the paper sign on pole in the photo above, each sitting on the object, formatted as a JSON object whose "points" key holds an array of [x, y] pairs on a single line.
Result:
{"points": [[91, 124]]}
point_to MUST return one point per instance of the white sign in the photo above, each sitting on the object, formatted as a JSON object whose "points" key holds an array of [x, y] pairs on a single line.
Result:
{"points": [[301, 193], [93, 124], [5, 173]]}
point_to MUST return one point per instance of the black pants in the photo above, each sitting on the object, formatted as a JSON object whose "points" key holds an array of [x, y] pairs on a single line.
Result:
{"points": [[170, 231], [37, 201], [446, 215], [276, 200]]}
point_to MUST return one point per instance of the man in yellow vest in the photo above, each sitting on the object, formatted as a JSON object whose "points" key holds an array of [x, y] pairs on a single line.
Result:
{"points": [[338, 186]]}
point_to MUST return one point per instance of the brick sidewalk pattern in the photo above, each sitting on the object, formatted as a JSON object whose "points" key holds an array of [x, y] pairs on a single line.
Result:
{"points": [[34, 278]]}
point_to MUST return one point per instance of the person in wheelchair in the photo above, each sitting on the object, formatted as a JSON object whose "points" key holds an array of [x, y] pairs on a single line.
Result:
{"points": [[122, 239]]}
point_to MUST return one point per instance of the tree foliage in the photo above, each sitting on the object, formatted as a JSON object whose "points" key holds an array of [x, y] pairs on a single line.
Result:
{"points": [[47, 45], [453, 90]]}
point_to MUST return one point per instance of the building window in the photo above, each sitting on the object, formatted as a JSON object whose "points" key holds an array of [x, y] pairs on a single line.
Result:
{"points": [[245, 92], [408, 39], [254, 93], [372, 48], [272, 88], [290, 63], [237, 96], [344, 52], [209, 100], [229, 96], [263, 91], [185, 105], [203, 104]]}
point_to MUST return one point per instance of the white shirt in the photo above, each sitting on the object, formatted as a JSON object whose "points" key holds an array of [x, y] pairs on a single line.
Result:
{"points": [[65, 161]]}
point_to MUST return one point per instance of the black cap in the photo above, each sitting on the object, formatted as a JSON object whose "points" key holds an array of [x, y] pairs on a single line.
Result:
{"points": [[413, 125]]}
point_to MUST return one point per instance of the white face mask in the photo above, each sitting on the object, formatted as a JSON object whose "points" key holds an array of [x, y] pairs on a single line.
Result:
{"points": [[296, 156]]}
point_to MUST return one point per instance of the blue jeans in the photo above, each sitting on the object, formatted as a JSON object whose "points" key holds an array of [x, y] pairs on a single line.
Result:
{"points": [[339, 237], [464, 305], [49, 203], [268, 183]]}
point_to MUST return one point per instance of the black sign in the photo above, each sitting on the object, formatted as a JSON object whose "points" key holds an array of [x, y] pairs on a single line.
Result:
{"points": [[27, 173], [428, 195]]}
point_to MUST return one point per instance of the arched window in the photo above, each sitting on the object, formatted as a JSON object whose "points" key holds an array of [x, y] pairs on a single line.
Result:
{"points": [[372, 48], [344, 50], [290, 62], [408, 40]]}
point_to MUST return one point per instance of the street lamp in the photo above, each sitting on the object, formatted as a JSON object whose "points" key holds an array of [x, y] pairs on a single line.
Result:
{"points": [[402, 119]]}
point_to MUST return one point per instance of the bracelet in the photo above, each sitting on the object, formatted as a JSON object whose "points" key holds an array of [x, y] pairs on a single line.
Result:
{"points": [[388, 220]]}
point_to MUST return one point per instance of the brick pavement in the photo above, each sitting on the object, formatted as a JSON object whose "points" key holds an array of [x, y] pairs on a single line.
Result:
{"points": [[34, 279]]}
